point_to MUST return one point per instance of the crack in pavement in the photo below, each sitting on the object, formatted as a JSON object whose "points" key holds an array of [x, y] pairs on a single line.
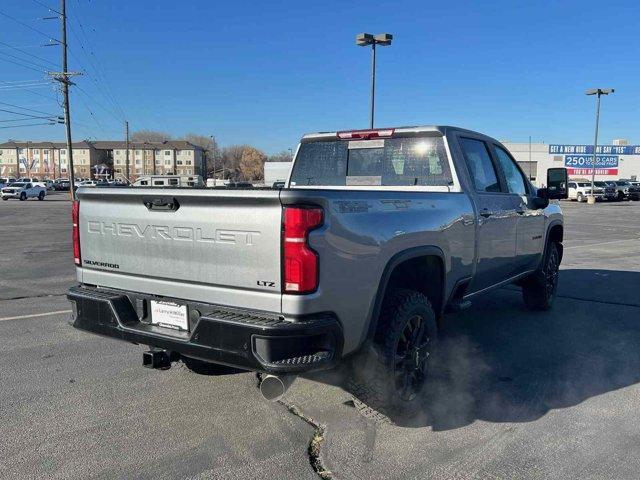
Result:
{"points": [[42, 295], [315, 445]]}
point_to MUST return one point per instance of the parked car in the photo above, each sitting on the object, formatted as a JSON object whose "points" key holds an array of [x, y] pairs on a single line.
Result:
{"points": [[61, 184], [375, 235], [581, 190], [4, 181], [36, 181], [23, 190], [627, 190], [609, 190], [85, 183]]}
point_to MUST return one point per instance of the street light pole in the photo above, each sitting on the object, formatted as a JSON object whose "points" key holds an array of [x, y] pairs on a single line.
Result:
{"points": [[599, 92], [366, 39], [373, 84], [213, 157]]}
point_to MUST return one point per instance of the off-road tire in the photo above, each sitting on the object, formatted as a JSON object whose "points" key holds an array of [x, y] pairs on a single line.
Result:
{"points": [[23, 197], [580, 198], [377, 379], [41, 196], [539, 291]]}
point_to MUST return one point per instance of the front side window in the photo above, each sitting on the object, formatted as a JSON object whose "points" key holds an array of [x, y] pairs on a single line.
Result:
{"points": [[480, 165], [512, 174], [401, 162]]}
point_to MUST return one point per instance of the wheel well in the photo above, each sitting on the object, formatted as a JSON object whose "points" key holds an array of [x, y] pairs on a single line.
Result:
{"points": [[424, 274], [556, 234]]}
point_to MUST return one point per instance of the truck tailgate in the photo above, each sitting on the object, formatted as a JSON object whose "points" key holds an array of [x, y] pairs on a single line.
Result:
{"points": [[197, 238]]}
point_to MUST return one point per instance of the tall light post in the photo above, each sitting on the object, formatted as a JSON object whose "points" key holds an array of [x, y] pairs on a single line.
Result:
{"points": [[364, 40], [599, 92], [213, 158]]}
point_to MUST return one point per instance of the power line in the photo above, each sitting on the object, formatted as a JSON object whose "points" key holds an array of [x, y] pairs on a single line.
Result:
{"points": [[48, 97], [46, 6], [20, 81], [49, 37], [98, 103], [20, 113], [6, 120], [28, 125], [103, 88], [93, 116], [23, 65], [27, 53], [28, 109], [23, 60], [21, 87], [96, 65]]}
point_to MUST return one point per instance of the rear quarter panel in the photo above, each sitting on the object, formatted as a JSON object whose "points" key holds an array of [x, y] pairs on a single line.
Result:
{"points": [[362, 231]]}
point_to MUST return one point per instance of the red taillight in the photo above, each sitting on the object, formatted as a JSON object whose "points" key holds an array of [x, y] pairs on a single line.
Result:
{"points": [[75, 216], [365, 134], [300, 272]]}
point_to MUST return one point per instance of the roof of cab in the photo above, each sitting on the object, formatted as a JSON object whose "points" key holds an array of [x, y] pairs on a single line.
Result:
{"points": [[438, 129]]}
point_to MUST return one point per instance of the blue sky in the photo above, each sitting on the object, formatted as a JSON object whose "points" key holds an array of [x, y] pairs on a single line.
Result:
{"points": [[264, 72]]}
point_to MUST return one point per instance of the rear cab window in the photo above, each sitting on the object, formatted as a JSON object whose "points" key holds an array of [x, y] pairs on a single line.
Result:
{"points": [[417, 161], [481, 167]]}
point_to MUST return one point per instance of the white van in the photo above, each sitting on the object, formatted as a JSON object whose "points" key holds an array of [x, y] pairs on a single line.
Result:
{"points": [[169, 181]]}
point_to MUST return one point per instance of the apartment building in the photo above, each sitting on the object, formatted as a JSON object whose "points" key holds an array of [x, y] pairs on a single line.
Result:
{"points": [[173, 157], [49, 159]]}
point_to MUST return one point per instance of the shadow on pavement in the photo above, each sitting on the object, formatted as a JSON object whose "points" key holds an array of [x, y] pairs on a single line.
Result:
{"points": [[498, 362]]}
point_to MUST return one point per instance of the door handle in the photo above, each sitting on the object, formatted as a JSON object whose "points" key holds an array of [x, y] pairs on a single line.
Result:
{"points": [[520, 211], [486, 213], [165, 204]]}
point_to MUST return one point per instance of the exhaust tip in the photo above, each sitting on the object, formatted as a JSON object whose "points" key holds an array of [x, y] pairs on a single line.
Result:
{"points": [[273, 387]]}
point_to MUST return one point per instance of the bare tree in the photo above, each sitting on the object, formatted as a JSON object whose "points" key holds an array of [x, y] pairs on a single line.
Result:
{"points": [[150, 136], [252, 164], [211, 152], [283, 156], [231, 157]]}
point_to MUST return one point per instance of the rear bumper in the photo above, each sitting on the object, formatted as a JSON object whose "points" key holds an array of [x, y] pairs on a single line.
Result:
{"points": [[239, 338]]}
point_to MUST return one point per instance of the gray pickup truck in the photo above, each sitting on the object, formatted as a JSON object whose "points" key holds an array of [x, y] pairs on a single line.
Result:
{"points": [[374, 236]]}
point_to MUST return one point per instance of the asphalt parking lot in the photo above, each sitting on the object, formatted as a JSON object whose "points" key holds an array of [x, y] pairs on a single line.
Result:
{"points": [[517, 394]]}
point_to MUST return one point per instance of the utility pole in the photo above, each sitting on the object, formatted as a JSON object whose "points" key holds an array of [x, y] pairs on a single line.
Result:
{"points": [[126, 133], [63, 78], [65, 91]]}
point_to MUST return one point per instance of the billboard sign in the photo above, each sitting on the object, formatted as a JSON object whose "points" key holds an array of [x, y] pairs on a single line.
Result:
{"points": [[588, 149], [583, 164]]}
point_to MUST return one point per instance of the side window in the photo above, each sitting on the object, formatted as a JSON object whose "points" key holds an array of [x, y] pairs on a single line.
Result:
{"points": [[573, 185], [480, 165], [512, 174]]}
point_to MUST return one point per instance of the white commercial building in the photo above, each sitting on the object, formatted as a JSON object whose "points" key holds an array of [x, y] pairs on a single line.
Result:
{"points": [[619, 160], [276, 172]]}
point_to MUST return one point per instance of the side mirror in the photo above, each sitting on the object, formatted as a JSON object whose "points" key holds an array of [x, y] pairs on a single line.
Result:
{"points": [[557, 180]]}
